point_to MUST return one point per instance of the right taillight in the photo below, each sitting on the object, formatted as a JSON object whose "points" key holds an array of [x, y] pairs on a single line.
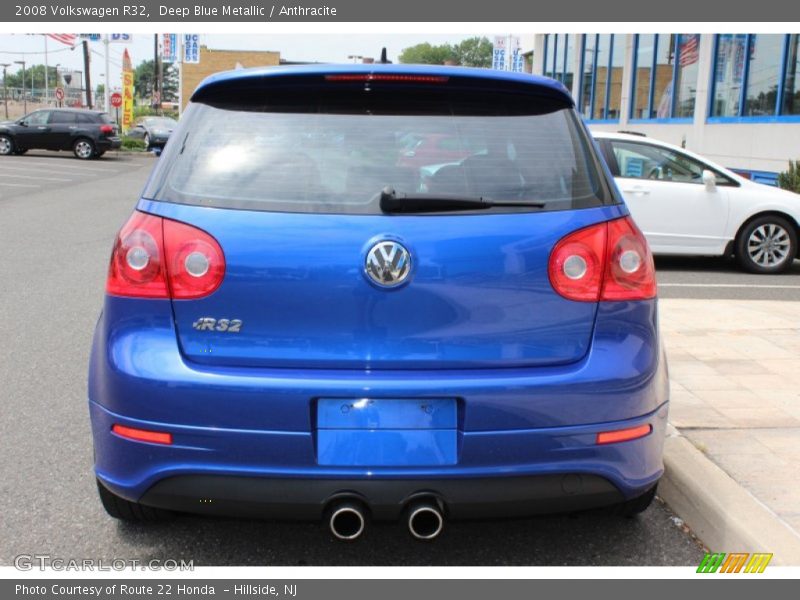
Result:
{"points": [[155, 257], [607, 261]]}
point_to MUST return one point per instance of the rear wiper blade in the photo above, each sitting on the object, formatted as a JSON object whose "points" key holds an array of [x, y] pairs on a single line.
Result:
{"points": [[391, 202]]}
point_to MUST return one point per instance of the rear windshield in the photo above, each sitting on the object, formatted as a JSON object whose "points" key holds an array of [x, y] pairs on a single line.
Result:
{"points": [[335, 151]]}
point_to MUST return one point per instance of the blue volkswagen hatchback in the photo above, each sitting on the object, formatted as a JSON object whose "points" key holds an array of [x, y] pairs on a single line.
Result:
{"points": [[301, 322]]}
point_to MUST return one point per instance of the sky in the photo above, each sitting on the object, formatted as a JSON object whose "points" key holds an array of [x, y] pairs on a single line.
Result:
{"points": [[293, 47]]}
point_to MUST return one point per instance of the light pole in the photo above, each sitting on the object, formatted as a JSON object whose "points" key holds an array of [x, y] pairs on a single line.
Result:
{"points": [[58, 83], [5, 91], [24, 97]]}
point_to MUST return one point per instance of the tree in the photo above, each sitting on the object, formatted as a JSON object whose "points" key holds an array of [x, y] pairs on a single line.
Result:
{"points": [[143, 81], [34, 77], [426, 54], [472, 52], [790, 180]]}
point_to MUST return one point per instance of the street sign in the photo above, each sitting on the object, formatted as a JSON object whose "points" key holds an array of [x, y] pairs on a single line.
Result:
{"points": [[59, 94], [116, 99]]}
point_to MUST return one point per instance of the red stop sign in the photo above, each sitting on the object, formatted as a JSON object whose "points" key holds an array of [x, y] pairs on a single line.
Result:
{"points": [[116, 100]]}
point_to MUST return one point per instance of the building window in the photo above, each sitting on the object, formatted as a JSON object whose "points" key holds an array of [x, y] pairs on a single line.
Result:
{"points": [[643, 61], [728, 75], [755, 76], [791, 88], [601, 76], [559, 58], [665, 76]]}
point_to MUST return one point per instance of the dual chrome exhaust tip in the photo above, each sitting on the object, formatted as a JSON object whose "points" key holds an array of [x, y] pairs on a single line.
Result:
{"points": [[347, 519]]}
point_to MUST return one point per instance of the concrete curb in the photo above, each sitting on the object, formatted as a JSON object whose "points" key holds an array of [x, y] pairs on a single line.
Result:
{"points": [[725, 516]]}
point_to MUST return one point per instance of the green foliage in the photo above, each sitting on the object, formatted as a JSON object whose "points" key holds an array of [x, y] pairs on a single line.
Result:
{"points": [[143, 81], [472, 52], [149, 111], [34, 77], [790, 180], [427, 54], [129, 143]]}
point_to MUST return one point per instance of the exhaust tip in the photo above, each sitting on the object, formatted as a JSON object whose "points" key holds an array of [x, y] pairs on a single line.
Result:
{"points": [[425, 521], [347, 522]]}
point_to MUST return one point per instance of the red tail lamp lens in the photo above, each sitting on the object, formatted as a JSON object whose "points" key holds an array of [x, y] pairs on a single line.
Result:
{"points": [[388, 77], [196, 263], [142, 435], [576, 264], [631, 271], [608, 261], [623, 435], [137, 261], [159, 258]]}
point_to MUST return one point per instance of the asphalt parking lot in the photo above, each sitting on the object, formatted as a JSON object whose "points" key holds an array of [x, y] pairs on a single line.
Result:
{"points": [[58, 217]]}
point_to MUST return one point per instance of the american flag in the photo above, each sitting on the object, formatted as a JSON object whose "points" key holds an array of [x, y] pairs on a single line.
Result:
{"points": [[689, 49], [65, 38]]}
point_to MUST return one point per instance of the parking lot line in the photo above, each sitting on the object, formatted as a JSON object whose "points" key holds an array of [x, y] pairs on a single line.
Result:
{"points": [[59, 168], [29, 185], [49, 163], [37, 178], [730, 285]]}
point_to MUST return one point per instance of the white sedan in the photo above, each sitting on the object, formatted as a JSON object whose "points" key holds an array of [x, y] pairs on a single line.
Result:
{"points": [[685, 204]]}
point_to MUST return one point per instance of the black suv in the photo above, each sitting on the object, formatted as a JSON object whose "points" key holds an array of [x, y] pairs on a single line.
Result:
{"points": [[88, 133]]}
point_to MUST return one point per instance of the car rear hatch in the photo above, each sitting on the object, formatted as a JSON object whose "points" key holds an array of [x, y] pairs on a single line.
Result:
{"points": [[286, 173]]}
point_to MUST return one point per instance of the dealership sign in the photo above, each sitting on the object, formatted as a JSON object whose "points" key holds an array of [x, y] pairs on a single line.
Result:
{"points": [[191, 48], [169, 47]]}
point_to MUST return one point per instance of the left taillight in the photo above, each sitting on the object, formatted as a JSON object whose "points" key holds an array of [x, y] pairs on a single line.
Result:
{"points": [[159, 258], [107, 129]]}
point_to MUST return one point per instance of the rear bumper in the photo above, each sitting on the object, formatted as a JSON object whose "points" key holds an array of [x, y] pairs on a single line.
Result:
{"points": [[111, 143], [245, 440], [306, 499]]}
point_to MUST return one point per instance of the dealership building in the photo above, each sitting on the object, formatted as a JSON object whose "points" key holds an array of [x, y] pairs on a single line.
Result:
{"points": [[734, 98]]}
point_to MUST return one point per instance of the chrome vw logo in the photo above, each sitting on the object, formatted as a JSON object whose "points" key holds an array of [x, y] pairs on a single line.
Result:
{"points": [[388, 264]]}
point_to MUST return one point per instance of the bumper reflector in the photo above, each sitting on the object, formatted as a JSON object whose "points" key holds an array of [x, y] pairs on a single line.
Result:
{"points": [[623, 435], [142, 435]]}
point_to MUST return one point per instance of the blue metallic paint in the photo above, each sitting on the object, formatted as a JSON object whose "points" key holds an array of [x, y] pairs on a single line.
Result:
{"points": [[249, 410]]}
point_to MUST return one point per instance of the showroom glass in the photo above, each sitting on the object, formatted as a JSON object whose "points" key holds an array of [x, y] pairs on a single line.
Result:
{"points": [[587, 74], [756, 76], [686, 75], [500, 146], [644, 161], [560, 58], [763, 75], [791, 90], [643, 67], [601, 76], [728, 74], [665, 74]]}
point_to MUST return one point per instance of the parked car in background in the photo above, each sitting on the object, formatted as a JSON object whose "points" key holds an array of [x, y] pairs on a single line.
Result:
{"points": [[153, 131], [294, 327], [686, 204], [88, 133]]}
